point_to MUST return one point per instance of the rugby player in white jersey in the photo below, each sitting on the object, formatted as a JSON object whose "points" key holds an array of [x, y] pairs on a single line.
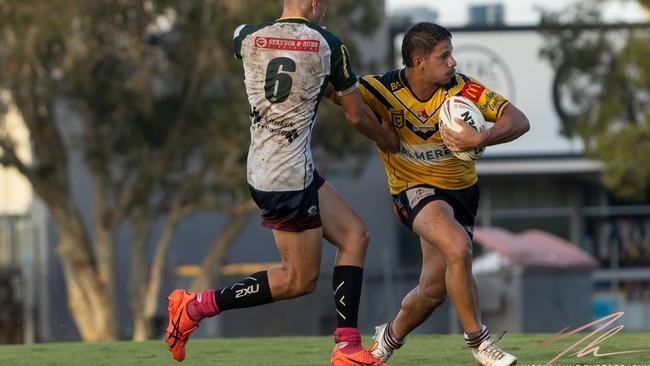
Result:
{"points": [[288, 64]]}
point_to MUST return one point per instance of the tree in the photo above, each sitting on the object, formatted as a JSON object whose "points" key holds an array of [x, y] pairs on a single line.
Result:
{"points": [[602, 81], [148, 94]]}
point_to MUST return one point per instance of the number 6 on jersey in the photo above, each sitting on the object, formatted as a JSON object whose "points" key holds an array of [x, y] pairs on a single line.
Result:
{"points": [[278, 82]]}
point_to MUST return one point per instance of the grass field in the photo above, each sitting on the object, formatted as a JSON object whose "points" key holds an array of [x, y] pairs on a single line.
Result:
{"points": [[292, 351]]}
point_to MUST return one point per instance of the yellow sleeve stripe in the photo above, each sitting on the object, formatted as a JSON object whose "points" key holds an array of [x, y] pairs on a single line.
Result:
{"points": [[345, 61], [502, 108]]}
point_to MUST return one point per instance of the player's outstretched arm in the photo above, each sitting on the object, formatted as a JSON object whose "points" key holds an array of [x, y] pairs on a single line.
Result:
{"points": [[512, 124], [365, 121]]}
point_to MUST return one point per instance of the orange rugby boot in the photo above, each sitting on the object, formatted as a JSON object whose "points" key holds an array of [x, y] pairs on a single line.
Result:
{"points": [[180, 325], [361, 358]]}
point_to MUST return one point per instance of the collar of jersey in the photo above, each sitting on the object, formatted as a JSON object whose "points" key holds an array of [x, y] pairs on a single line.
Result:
{"points": [[403, 80], [293, 20]]}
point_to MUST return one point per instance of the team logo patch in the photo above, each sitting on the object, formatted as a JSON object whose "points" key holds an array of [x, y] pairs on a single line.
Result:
{"points": [[252, 289], [425, 129], [423, 132], [415, 195], [397, 117], [423, 115], [287, 44], [261, 42], [473, 91], [313, 210]]}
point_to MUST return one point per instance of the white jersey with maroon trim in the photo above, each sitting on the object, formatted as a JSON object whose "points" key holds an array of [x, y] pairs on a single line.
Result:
{"points": [[287, 65]]}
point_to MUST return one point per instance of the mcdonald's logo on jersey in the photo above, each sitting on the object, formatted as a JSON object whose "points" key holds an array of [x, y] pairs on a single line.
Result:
{"points": [[397, 117], [473, 91], [423, 114]]}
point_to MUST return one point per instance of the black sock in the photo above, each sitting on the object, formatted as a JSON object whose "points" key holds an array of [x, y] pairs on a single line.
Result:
{"points": [[251, 291], [346, 282]]}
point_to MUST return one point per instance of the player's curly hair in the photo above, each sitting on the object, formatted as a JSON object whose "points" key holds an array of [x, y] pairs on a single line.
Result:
{"points": [[421, 39]]}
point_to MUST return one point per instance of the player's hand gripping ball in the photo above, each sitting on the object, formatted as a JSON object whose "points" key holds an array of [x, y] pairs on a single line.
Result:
{"points": [[457, 107]]}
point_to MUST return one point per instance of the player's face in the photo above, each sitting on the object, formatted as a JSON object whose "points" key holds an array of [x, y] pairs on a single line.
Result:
{"points": [[440, 65]]}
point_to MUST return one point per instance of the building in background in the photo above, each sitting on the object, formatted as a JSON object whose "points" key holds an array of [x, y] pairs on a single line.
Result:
{"points": [[414, 14], [486, 15], [521, 12]]}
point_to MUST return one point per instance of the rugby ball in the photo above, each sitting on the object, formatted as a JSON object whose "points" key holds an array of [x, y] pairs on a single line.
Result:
{"points": [[462, 108]]}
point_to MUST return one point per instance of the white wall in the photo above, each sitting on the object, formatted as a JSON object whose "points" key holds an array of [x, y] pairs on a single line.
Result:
{"points": [[509, 63]]}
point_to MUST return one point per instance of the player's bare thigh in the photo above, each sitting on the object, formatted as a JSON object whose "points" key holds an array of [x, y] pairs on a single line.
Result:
{"points": [[342, 227], [435, 223]]}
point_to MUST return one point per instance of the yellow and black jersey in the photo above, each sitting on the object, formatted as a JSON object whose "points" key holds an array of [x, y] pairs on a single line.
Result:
{"points": [[423, 157]]}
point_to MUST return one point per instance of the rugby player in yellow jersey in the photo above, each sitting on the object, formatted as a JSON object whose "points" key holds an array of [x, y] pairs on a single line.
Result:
{"points": [[435, 194]]}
